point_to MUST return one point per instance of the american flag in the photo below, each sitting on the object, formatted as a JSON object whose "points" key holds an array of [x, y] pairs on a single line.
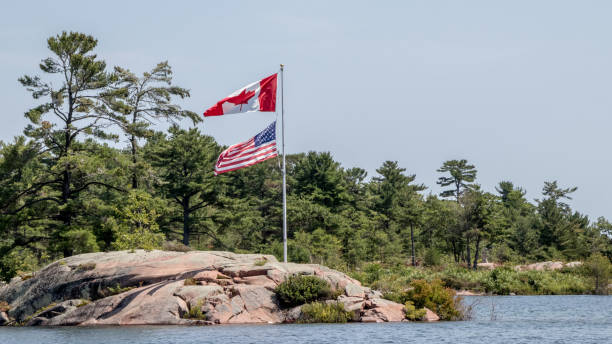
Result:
{"points": [[259, 148]]}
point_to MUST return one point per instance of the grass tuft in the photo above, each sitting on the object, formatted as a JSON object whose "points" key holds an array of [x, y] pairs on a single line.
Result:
{"points": [[190, 281], [321, 312]]}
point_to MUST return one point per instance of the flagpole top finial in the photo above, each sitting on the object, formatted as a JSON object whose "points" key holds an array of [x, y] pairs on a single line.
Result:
{"points": [[282, 66]]}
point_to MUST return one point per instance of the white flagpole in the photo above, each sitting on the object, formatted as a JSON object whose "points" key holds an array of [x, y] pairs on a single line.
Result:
{"points": [[284, 168]]}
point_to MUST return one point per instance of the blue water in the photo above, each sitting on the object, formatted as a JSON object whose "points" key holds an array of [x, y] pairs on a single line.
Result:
{"points": [[499, 319]]}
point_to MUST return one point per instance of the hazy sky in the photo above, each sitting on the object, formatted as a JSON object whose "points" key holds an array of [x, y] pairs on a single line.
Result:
{"points": [[522, 89]]}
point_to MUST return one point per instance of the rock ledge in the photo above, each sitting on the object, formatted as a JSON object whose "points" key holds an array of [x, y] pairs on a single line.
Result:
{"points": [[160, 288]]}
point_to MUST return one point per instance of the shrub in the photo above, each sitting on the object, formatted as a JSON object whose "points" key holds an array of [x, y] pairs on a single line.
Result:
{"points": [[86, 266], [260, 262], [321, 312], [175, 246], [373, 273], [436, 297], [195, 312], [190, 281], [79, 241], [16, 261], [135, 222], [432, 257], [432, 295], [83, 303], [599, 268], [298, 290], [118, 289], [504, 281], [412, 313]]}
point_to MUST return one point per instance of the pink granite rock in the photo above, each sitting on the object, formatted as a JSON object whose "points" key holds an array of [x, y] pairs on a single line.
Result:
{"points": [[385, 310], [232, 288], [430, 316]]}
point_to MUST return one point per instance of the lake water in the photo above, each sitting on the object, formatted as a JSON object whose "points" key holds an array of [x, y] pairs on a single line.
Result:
{"points": [[498, 319]]}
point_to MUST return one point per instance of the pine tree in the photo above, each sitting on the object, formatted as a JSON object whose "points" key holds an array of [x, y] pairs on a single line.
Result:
{"points": [[185, 161], [77, 108], [145, 100], [462, 175]]}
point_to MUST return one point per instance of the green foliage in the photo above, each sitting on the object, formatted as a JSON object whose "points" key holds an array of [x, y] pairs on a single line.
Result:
{"points": [[18, 261], [461, 177], [175, 246], [412, 313], [430, 294], [143, 101], [64, 190], [190, 281], [323, 312], [500, 281], [435, 296], [432, 257], [137, 226], [600, 270], [83, 303], [184, 162], [79, 241], [298, 290], [195, 312], [118, 289]]}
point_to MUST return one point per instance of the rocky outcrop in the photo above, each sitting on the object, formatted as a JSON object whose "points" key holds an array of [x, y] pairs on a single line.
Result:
{"points": [[430, 316], [159, 287], [542, 266], [4, 319], [488, 266]]}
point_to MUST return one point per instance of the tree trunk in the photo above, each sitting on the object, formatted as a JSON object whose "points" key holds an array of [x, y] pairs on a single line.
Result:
{"points": [[412, 243], [476, 254], [468, 253], [186, 228], [458, 190], [133, 142], [65, 214], [134, 177]]}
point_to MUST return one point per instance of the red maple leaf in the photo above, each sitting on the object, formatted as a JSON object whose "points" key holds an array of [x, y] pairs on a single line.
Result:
{"points": [[242, 98]]}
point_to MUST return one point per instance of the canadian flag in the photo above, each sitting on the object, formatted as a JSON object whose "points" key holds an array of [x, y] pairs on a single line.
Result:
{"points": [[258, 96]]}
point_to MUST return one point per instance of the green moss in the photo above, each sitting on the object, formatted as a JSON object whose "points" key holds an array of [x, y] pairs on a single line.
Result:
{"points": [[118, 289], [83, 303], [321, 312], [190, 281], [26, 276], [86, 266], [260, 262], [298, 290]]}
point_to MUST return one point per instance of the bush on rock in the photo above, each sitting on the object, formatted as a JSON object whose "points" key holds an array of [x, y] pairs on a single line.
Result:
{"points": [[298, 290], [432, 295], [321, 312], [412, 313]]}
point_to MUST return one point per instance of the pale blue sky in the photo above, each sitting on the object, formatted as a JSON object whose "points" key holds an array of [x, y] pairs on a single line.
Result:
{"points": [[522, 89]]}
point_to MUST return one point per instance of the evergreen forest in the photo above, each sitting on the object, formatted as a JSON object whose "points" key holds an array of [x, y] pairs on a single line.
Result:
{"points": [[92, 171]]}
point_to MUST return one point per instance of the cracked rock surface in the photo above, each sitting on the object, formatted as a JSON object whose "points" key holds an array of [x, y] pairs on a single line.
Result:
{"points": [[161, 287]]}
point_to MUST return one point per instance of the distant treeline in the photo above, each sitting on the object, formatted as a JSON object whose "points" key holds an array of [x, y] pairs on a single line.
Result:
{"points": [[65, 191]]}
